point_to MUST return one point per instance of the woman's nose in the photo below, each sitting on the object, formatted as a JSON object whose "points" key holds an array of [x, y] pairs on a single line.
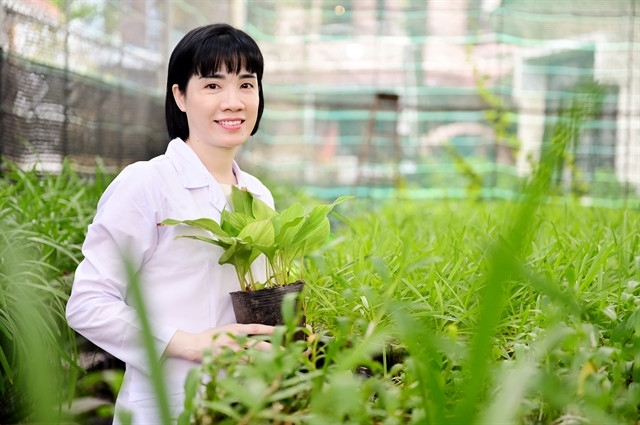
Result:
{"points": [[232, 100]]}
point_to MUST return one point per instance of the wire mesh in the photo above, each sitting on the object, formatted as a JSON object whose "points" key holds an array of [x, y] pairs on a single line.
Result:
{"points": [[481, 87]]}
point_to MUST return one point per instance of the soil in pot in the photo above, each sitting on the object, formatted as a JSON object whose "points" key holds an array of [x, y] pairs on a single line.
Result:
{"points": [[264, 306]]}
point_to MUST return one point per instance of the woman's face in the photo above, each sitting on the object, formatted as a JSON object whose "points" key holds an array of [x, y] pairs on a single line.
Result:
{"points": [[221, 109]]}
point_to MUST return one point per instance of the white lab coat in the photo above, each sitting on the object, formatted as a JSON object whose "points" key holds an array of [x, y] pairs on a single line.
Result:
{"points": [[184, 287]]}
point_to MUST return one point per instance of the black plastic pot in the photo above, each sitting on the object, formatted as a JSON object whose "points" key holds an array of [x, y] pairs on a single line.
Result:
{"points": [[264, 306]]}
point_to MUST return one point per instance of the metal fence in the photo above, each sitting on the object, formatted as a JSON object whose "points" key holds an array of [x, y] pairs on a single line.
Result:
{"points": [[364, 96]]}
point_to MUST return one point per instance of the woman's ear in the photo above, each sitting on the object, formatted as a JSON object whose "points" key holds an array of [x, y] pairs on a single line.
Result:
{"points": [[178, 96]]}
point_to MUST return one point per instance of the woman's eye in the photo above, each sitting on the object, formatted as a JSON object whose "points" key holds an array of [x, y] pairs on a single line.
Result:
{"points": [[212, 86], [246, 85]]}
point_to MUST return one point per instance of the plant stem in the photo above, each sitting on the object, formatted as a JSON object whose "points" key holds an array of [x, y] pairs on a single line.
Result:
{"points": [[252, 281]]}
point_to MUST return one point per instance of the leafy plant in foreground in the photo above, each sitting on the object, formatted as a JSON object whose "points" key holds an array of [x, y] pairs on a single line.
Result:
{"points": [[295, 382], [42, 223], [34, 339], [253, 228]]}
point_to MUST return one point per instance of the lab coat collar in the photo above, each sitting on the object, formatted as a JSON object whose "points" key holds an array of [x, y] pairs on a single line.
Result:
{"points": [[194, 174], [191, 170]]}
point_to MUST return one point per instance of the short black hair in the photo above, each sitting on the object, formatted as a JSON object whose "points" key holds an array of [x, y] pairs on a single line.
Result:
{"points": [[204, 51]]}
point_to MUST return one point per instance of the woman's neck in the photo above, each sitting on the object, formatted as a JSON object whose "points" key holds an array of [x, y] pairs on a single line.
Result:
{"points": [[218, 160]]}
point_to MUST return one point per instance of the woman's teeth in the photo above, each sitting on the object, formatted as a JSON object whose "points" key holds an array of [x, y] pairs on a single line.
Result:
{"points": [[231, 123]]}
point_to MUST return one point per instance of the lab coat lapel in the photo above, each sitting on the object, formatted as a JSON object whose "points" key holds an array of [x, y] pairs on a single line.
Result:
{"points": [[193, 173], [245, 182], [216, 197]]}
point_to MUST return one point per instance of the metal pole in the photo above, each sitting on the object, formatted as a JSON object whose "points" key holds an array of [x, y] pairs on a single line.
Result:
{"points": [[626, 171], [239, 14], [2, 125], [2, 59], [66, 89], [2, 25]]}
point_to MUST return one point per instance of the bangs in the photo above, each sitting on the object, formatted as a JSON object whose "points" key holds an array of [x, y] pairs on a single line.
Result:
{"points": [[226, 53]]}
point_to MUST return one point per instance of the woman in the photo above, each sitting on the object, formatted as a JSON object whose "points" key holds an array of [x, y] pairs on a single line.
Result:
{"points": [[214, 102]]}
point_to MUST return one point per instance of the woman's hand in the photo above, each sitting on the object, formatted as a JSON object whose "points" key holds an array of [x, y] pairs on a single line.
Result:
{"points": [[190, 346]]}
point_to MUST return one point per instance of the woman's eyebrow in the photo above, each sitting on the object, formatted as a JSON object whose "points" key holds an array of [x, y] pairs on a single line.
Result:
{"points": [[215, 75], [223, 76]]}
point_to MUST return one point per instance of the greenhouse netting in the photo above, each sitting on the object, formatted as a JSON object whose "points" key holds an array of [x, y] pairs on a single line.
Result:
{"points": [[371, 97]]}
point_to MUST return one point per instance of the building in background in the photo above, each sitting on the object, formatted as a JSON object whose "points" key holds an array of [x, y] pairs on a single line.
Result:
{"points": [[434, 96]]}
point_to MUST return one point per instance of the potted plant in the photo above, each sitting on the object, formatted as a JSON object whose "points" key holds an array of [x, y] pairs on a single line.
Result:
{"points": [[252, 229]]}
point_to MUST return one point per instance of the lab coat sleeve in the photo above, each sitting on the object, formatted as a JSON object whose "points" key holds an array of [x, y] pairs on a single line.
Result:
{"points": [[124, 227]]}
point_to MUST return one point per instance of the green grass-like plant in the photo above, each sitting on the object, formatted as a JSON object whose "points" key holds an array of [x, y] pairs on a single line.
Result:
{"points": [[42, 221], [522, 312]]}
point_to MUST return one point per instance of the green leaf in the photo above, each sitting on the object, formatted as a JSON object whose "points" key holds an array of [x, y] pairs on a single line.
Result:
{"points": [[234, 221], [316, 219], [232, 254], [191, 386], [268, 250], [294, 212], [287, 234], [260, 210], [242, 201], [240, 255], [259, 232], [7, 370], [200, 223], [221, 242], [317, 236], [316, 228]]}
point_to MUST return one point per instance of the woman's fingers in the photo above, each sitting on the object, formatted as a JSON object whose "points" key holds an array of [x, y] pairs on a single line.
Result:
{"points": [[245, 329], [259, 345], [226, 335], [256, 329]]}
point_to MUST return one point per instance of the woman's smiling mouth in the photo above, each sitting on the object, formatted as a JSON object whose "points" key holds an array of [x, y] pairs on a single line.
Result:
{"points": [[230, 124]]}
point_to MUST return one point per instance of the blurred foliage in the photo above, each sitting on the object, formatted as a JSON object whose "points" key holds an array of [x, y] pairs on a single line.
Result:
{"points": [[521, 311]]}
